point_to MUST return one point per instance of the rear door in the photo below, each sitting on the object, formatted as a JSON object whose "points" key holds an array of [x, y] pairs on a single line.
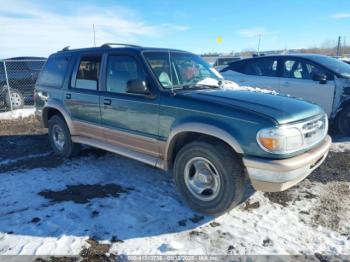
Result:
{"points": [[82, 97], [297, 81], [129, 120], [258, 72]]}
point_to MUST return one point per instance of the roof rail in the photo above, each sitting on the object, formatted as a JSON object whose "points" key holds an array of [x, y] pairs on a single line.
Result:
{"points": [[118, 44], [66, 48]]}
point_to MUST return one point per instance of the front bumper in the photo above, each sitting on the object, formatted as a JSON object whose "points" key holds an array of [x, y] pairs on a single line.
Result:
{"points": [[277, 175]]}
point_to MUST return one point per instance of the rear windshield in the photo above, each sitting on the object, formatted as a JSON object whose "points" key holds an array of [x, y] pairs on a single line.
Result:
{"points": [[54, 72]]}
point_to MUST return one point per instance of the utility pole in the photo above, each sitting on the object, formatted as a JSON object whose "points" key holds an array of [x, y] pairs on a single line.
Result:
{"points": [[93, 29], [338, 47], [259, 44]]}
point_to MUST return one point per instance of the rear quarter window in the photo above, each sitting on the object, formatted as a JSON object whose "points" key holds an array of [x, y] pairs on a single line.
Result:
{"points": [[235, 66], [54, 72]]}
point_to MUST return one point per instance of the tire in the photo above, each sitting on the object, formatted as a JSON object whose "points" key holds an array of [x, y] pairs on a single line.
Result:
{"points": [[219, 164], [343, 121], [16, 98], [60, 138]]}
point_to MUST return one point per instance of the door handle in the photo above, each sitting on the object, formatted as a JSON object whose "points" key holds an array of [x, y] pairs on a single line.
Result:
{"points": [[242, 80], [107, 102], [68, 96], [286, 84]]}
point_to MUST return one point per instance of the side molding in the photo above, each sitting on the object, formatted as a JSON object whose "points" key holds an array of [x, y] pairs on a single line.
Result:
{"points": [[202, 129]]}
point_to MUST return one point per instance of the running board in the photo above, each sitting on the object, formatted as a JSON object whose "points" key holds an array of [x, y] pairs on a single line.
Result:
{"points": [[123, 151]]}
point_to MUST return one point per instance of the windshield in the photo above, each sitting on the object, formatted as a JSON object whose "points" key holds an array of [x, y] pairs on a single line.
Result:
{"points": [[334, 64], [182, 70]]}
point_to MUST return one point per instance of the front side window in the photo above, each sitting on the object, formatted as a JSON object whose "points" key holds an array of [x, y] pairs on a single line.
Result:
{"points": [[122, 69], [182, 70], [88, 73]]}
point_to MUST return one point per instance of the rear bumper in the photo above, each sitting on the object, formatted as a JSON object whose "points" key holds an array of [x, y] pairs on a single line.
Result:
{"points": [[38, 113], [278, 175]]}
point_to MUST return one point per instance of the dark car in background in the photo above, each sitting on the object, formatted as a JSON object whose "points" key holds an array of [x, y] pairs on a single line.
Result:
{"points": [[22, 73]]}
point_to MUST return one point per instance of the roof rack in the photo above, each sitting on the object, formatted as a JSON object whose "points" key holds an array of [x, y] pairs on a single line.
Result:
{"points": [[65, 48], [118, 44]]}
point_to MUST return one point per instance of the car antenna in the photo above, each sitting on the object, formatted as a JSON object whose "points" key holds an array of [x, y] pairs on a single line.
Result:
{"points": [[171, 75]]}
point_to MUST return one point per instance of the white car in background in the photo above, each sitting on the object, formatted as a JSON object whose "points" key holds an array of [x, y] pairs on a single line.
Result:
{"points": [[319, 79]]}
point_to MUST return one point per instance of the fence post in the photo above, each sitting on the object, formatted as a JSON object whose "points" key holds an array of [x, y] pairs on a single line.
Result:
{"points": [[8, 85]]}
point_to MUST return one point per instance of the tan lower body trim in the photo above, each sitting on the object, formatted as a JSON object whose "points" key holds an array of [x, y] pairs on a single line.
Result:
{"points": [[119, 138], [123, 151], [144, 149]]}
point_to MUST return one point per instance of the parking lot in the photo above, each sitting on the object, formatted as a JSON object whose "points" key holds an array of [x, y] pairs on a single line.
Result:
{"points": [[99, 205]]}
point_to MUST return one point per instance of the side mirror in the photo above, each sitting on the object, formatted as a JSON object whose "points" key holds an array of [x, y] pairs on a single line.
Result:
{"points": [[319, 77], [137, 86]]}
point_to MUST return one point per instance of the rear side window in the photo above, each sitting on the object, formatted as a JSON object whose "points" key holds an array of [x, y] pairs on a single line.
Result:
{"points": [[54, 72], [88, 73], [237, 67], [261, 67]]}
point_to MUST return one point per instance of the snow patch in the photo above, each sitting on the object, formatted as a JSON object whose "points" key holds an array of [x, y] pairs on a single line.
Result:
{"points": [[234, 86], [18, 113], [341, 144]]}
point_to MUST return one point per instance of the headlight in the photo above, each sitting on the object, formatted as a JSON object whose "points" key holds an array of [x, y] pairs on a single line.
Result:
{"points": [[280, 140]]}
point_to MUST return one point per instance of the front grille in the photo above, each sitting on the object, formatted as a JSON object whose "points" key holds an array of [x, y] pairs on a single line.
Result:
{"points": [[314, 130]]}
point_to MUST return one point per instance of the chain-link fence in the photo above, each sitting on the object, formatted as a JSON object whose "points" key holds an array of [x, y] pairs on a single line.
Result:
{"points": [[17, 81]]}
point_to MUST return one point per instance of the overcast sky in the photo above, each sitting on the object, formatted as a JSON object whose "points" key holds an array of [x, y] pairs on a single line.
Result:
{"points": [[39, 28]]}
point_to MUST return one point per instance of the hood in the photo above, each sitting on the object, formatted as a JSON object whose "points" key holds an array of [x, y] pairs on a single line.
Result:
{"points": [[282, 109]]}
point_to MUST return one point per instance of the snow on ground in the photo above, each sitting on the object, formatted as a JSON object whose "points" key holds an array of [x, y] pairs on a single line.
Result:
{"points": [[341, 144], [18, 113], [54, 210]]}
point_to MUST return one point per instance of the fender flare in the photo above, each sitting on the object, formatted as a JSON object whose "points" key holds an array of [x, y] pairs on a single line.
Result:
{"points": [[60, 108], [205, 129]]}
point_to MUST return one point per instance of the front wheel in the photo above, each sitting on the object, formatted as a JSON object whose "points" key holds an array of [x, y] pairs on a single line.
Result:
{"points": [[343, 121], [209, 176]]}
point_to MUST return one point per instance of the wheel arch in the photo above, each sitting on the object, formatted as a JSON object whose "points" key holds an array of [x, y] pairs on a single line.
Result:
{"points": [[188, 132], [56, 109], [344, 104]]}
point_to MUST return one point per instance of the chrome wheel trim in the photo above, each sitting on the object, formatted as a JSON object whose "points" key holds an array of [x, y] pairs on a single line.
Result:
{"points": [[202, 179], [16, 99], [58, 137]]}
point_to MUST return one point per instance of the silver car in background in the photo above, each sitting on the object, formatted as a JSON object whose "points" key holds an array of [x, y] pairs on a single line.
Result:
{"points": [[319, 79]]}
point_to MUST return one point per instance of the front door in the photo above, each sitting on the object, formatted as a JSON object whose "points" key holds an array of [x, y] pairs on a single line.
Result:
{"points": [[129, 120], [297, 81], [82, 97]]}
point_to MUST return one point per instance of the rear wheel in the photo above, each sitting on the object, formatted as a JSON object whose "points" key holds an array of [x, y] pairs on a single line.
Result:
{"points": [[60, 138], [209, 177], [14, 99], [343, 121]]}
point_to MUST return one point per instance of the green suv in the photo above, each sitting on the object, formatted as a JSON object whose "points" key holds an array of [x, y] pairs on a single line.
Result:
{"points": [[169, 109]]}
